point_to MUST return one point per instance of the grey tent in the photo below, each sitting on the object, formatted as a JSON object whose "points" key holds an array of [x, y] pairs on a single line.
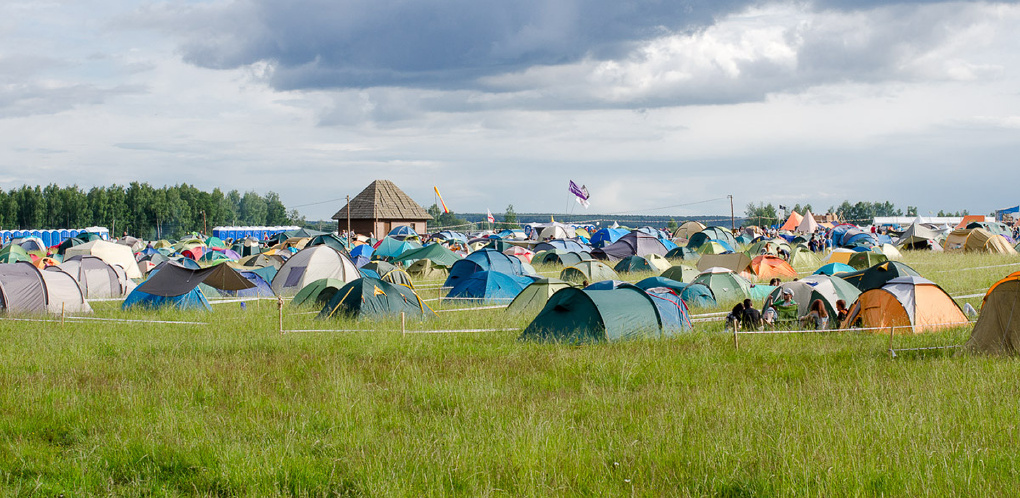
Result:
{"points": [[175, 280], [918, 236], [97, 278], [26, 289], [633, 244]]}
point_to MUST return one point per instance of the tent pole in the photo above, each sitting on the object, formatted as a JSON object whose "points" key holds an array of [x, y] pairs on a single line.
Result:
{"points": [[279, 307], [733, 224]]}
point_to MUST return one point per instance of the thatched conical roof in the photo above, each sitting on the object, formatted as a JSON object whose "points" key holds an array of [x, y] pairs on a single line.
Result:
{"points": [[383, 200]]}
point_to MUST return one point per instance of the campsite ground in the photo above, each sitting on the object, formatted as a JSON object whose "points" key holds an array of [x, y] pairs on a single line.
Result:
{"points": [[231, 406]]}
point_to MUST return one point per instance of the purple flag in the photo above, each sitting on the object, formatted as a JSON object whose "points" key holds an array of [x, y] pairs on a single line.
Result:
{"points": [[581, 193]]}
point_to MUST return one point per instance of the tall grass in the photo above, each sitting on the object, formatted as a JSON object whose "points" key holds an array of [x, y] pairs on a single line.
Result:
{"points": [[235, 408]]}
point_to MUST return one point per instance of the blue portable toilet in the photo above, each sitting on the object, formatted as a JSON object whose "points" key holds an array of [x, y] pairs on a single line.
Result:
{"points": [[47, 238], [64, 235]]}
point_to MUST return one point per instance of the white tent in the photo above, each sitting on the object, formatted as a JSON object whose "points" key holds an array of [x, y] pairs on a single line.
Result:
{"points": [[114, 254], [311, 264], [808, 224]]}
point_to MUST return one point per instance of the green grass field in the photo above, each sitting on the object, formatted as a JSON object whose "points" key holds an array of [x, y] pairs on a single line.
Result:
{"points": [[232, 407]]}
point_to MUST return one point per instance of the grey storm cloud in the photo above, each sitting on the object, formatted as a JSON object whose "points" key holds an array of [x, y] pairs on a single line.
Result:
{"points": [[447, 44]]}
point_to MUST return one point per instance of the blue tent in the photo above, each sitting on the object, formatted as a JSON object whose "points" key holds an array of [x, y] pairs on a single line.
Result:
{"points": [[605, 285], [450, 235], [390, 248], [607, 236], [192, 300], [362, 250], [562, 244], [490, 287], [402, 231], [483, 260], [672, 311], [834, 268], [262, 287]]}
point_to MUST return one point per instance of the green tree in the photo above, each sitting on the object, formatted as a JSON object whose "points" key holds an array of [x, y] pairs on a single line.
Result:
{"points": [[760, 214], [510, 218], [671, 225]]}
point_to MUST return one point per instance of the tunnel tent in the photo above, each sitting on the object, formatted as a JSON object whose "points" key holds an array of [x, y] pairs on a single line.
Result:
{"points": [[491, 287], [97, 278], [585, 316], [25, 289]]}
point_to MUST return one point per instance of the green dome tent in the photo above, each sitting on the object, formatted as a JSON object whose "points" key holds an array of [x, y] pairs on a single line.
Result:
{"points": [[535, 295], [583, 316], [318, 292], [375, 298], [726, 286], [588, 271], [681, 273]]}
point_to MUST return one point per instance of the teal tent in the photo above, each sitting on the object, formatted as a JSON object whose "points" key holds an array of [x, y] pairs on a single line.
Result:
{"points": [[582, 316]]}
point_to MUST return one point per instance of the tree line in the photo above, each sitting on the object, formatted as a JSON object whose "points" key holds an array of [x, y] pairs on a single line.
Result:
{"points": [[140, 209], [861, 212]]}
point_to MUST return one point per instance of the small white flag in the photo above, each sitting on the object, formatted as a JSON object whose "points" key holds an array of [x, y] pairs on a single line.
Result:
{"points": [[491, 218]]}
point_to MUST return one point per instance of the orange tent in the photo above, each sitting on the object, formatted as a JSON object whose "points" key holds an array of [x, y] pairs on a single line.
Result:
{"points": [[768, 267], [907, 305], [792, 222], [998, 328], [970, 218]]}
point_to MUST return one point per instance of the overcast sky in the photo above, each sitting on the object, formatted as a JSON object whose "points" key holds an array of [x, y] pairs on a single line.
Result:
{"points": [[653, 105]]}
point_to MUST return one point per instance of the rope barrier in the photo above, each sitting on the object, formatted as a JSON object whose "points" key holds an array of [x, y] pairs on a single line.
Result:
{"points": [[501, 306]]}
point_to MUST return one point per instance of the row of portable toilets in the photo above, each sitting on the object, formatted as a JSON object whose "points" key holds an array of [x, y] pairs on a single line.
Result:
{"points": [[259, 233], [51, 237]]}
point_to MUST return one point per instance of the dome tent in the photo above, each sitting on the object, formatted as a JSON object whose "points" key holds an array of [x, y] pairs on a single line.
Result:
{"points": [[997, 330], [583, 316], [374, 298], [587, 272], [311, 264], [905, 304]]}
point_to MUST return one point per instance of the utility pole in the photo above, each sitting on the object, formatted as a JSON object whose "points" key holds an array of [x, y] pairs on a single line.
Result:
{"points": [[349, 234], [733, 223], [205, 228]]}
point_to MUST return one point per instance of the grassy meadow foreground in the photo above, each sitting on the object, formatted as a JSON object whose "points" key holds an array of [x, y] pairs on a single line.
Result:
{"points": [[232, 407]]}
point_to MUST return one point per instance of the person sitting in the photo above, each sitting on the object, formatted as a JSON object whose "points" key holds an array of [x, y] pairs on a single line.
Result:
{"points": [[733, 319], [750, 318], [841, 311], [817, 317], [786, 309], [769, 314]]}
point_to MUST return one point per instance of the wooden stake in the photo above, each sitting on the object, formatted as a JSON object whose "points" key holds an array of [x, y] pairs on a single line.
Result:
{"points": [[892, 354], [736, 346], [403, 330], [279, 307], [61, 315]]}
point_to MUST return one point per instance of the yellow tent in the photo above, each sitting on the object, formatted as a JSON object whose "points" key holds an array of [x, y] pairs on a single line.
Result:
{"points": [[977, 240]]}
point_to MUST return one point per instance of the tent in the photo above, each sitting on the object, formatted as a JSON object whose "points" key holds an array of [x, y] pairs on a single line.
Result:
{"points": [[483, 260], [606, 236], [792, 222], [977, 239], [536, 294], [917, 236], [436, 253], [114, 254], [311, 264], [682, 253], [25, 289], [390, 273], [680, 273], [828, 289], [878, 275], [521, 253], [734, 261], [318, 293], [692, 295], [556, 257], [998, 327], [650, 263], [866, 259], [807, 224], [584, 316], [188, 300], [425, 269], [769, 267], [890, 251], [802, 257], [331, 240], [374, 298], [587, 272], [489, 287], [635, 243], [727, 287], [673, 311], [834, 268], [13, 253], [565, 245], [389, 248], [905, 304], [687, 229], [97, 278]]}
